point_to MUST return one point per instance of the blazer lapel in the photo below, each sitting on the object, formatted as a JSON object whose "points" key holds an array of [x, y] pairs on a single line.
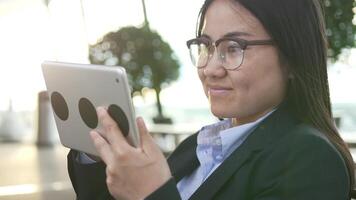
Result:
{"points": [[269, 130], [216, 180], [183, 161]]}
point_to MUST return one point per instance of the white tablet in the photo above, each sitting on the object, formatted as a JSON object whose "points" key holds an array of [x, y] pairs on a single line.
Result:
{"points": [[76, 90]]}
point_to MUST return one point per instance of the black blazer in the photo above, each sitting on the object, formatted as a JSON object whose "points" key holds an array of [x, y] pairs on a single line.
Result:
{"points": [[282, 159]]}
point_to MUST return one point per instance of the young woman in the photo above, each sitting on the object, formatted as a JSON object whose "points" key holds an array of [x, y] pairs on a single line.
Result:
{"points": [[262, 64]]}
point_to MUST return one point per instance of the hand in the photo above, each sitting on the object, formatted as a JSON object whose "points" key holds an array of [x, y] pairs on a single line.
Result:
{"points": [[131, 172]]}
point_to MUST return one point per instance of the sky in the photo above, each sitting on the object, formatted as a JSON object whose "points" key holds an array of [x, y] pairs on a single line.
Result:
{"points": [[32, 32]]}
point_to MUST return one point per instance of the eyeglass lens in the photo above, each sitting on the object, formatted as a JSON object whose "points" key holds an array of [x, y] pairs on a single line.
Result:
{"points": [[229, 53]]}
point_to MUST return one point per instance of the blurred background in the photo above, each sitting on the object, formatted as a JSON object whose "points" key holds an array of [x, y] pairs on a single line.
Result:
{"points": [[114, 32]]}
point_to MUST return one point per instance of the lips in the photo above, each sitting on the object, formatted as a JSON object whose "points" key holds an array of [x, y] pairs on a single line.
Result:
{"points": [[218, 90]]}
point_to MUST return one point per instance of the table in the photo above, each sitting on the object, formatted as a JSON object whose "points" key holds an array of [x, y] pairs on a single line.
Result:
{"points": [[29, 172]]}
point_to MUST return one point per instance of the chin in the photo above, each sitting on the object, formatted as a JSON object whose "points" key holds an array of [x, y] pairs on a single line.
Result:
{"points": [[220, 113]]}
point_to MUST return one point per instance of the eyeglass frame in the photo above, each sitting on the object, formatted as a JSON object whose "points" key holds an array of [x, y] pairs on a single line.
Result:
{"points": [[242, 42]]}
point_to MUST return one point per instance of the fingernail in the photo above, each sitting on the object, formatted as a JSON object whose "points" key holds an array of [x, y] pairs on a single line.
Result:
{"points": [[92, 134], [139, 120], [100, 110]]}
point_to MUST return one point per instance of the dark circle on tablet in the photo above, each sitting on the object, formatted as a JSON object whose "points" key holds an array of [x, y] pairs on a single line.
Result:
{"points": [[118, 115], [59, 106], [88, 113]]}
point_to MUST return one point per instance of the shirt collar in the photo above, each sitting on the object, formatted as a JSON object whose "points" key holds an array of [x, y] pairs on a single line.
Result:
{"points": [[235, 136], [209, 147], [222, 138]]}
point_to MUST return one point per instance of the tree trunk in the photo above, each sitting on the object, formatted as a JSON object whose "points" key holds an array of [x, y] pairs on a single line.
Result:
{"points": [[160, 119], [158, 104]]}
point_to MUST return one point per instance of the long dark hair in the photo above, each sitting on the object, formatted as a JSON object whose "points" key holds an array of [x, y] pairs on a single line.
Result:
{"points": [[298, 29]]}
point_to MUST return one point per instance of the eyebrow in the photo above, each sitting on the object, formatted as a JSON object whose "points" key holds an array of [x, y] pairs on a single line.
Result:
{"points": [[230, 34]]}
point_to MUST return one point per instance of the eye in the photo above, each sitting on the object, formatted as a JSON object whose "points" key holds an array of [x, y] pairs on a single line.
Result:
{"points": [[203, 48], [199, 45], [233, 47], [203, 43]]}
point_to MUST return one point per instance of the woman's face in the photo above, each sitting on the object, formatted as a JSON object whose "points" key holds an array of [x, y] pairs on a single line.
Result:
{"points": [[259, 84]]}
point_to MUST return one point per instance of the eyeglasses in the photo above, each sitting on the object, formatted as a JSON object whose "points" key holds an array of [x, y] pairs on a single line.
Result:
{"points": [[230, 51]]}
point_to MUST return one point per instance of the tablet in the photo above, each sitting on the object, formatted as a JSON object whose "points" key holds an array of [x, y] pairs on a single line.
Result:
{"points": [[76, 90]]}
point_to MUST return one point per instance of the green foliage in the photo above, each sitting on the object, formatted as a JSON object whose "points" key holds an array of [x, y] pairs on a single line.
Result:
{"points": [[339, 27], [148, 60]]}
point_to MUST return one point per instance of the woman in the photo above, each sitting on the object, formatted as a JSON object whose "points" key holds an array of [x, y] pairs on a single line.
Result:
{"points": [[262, 64]]}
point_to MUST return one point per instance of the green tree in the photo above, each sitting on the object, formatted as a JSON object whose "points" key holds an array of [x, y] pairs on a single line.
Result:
{"points": [[339, 27], [148, 60]]}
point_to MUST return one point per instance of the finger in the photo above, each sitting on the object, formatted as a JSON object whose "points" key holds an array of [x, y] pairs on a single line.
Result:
{"points": [[102, 146], [111, 130], [147, 142]]}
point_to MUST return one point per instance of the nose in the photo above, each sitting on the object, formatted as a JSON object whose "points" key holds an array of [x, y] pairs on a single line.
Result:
{"points": [[214, 67]]}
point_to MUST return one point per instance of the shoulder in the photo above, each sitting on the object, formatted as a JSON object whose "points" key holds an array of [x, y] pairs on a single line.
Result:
{"points": [[304, 142], [305, 138], [303, 159]]}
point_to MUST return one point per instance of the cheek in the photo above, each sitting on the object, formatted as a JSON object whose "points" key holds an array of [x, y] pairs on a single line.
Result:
{"points": [[263, 65], [271, 86], [260, 80], [243, 85], [245, 76]]}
